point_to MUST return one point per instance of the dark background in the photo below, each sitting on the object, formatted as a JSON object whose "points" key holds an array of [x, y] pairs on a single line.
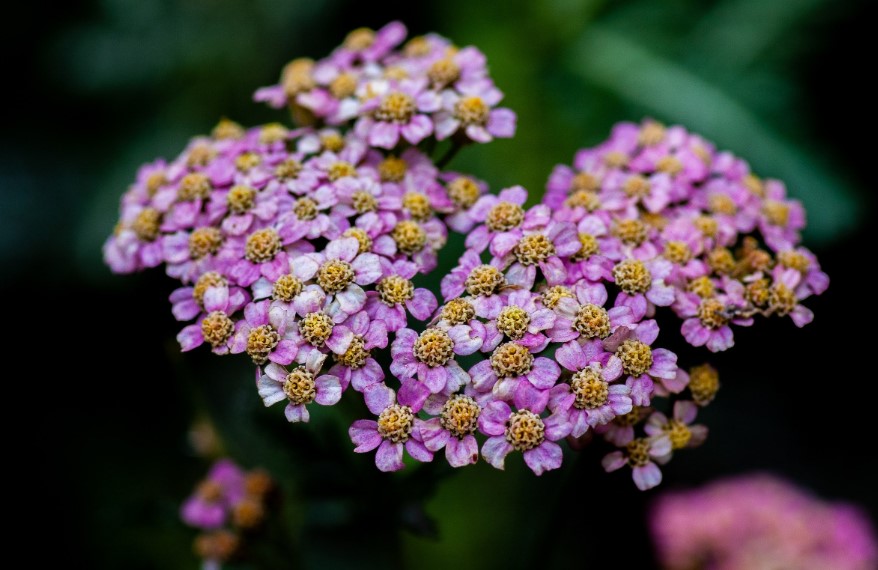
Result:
{"points": [[96, 88]]}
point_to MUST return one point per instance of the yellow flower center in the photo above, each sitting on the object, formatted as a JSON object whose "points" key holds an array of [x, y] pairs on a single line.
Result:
{"points": [[471, 111], [240, 199], [777, 213], [205, 282], [335, 275], [359, 39], [340, 169], [781, 299], [583, 199], [551, 296], [721, 260], [525, 430], [636, 357], [146, 224], [194, 186], [394, 290], [392, 169], [678, 433], [592, 321], [333, 142], [463, 191], [396, 107], [651, 133], [315, 328], [504, 216], [409, 236], [395, 423], [227, 129], [217, 328], [702, 286], [262, 245], [457, 312], [288, 169], [272, 133], [669, 165], [703, 383], [677, 252], [511, 359], [460, 415], [443, 72], [296, 77], [513, 322], [631, 232], [363, 202], [484, 280], [637, 186], [200, 155], [434, 348], [299, 387], [638, 452], [712, 313], [534, 248], [204, 241], [247, 161], [632, 276], [590, 389], [343, 86], [260, 342], [363, 239], [417, 205], [588, 246], [356, 355], [286, 288]]}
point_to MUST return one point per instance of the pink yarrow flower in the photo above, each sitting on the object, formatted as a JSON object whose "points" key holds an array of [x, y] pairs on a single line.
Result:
{"points": [[589, 399], [429, 356], [396, 429], [300, 386], [395, 294], [525, 431]]}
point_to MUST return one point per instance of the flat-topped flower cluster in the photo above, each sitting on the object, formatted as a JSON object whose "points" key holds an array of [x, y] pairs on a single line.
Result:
{"points": [[300, 248]]}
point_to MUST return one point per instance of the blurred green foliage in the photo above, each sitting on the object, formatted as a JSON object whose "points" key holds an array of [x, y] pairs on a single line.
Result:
{"points": [[120, 82]]}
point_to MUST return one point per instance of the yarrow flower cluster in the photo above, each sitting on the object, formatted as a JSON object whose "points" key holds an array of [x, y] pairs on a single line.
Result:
{"points": [[299, 247], [229, 503], [759, 521]]}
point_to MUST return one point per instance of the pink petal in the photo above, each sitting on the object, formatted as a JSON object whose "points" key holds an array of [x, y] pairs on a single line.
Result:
{"points": [[422, 305], [501, 123], [296, 414], [418, 451], [384, 135], [328, 390], [495, 450], [544, 373], [378, 397], [462, 452], [527, 397], [544, 457], [364, 435], [389, 456], [570, 356], [433, 378], [412, 393], [647, 476], [419, 128], [190, 337], [432, 434], [492, 420], [613, 461]]}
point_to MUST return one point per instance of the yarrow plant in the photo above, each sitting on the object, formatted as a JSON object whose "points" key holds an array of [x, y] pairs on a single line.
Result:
{"points": [[759, 521], [227, 505], [301, 246]]}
